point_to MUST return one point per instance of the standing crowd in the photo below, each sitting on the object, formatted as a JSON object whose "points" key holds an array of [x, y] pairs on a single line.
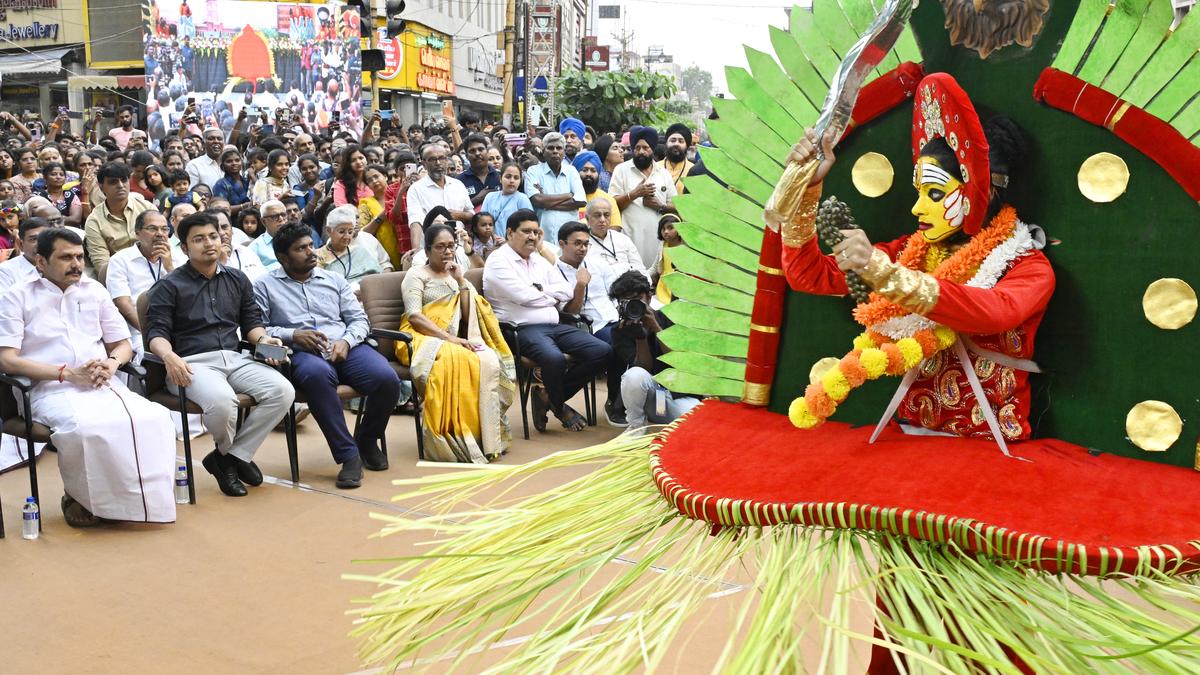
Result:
{"points": [[235, 263]]}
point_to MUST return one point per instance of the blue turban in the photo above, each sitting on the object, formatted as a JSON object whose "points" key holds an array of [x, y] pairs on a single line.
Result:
{"points": [[572, 124], [588, 157], [648, 134]]}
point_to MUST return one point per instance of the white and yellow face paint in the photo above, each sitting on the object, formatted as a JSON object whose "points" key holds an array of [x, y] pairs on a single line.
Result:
{"points": [[939, 206]]}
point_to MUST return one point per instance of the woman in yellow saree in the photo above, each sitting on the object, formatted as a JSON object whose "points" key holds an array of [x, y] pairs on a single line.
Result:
{"points": [[459, 361]]}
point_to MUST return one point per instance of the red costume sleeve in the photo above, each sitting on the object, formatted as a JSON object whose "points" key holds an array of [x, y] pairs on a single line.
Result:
{"points": [[810, 271], [1022, 292]]}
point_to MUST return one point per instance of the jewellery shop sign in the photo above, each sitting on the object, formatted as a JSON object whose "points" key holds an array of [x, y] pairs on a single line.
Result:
{"points": [[36, 23]]}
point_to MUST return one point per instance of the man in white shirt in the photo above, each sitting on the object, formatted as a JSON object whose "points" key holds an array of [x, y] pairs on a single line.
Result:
{"points": [[437, 189], [207, 167], [116, 450], [526, 290], [643, 191], [554, 187], [591, 281], [134, 270], [21, 268], [613, 247]]}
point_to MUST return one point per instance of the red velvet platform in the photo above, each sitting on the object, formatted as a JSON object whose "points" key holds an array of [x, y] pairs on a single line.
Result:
{"points": [[1065, 510]]}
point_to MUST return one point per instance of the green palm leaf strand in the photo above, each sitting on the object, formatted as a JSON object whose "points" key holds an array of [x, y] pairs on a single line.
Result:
{"points": [[775, 99], [1131, 53]]}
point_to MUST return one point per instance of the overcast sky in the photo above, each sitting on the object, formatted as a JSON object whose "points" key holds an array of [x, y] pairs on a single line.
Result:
{"points": [[708, 33]]}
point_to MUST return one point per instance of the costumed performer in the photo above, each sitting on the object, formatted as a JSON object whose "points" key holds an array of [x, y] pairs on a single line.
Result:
{"points": [[116, 450], [971, 273]]}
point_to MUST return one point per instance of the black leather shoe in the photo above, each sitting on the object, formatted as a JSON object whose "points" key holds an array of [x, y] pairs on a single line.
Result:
{"points": [[248, 472], [351, 474], [225, 473], [372, 457]]}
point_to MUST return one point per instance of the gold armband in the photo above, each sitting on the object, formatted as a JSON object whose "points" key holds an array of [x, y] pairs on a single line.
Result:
{"points": [[800, 229], [915, 291]]}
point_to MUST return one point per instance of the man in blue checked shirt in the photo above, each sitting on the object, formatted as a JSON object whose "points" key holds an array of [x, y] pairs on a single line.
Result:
{"points": [[317, 314]]}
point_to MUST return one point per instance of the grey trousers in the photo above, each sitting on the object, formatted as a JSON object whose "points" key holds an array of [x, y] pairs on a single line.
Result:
{"points": [[217, 379]]}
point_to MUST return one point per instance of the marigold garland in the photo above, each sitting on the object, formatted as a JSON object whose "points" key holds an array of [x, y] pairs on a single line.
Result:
{"points": [[958, 268], [875, 354]]}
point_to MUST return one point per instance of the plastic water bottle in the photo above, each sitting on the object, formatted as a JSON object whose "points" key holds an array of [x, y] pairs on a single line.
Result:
{"points": [[181, 486], [31, 519]]}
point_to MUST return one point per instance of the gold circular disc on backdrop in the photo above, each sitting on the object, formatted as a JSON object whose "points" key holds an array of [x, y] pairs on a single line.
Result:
{"points": [[820, 368], [1103, 177], [1153, 426], [872, 174], [1169, 303]]}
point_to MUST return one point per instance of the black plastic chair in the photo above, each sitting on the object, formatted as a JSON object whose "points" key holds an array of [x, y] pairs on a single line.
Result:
{"points": [[525, 377], [19, 424]]}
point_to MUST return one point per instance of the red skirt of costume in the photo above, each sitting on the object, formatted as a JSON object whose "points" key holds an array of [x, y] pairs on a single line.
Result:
{"points": [[1002, 319]]}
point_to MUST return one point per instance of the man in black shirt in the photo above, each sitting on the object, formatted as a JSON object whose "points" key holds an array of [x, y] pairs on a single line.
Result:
{"points": [[193, 320]]}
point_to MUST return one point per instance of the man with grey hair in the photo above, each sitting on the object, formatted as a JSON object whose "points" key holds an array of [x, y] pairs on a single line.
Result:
{"points": [[273, 215], [132, 271], [435, 188], [554, 187], [206, 168], [613, 247]]}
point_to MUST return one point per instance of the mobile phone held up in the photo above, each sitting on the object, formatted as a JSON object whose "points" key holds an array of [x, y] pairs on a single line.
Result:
{"points": [[266, 351]]}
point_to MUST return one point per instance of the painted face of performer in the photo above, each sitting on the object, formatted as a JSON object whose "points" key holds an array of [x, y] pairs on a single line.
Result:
{"points": [[939, 201]]}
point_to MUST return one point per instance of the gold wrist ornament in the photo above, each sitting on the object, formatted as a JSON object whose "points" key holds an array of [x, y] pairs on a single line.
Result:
{"points": [[797, 231], [915, 291]]}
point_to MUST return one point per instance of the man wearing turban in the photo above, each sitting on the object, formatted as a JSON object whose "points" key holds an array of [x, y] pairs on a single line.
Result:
{"points": [[643, 190], [572, 130], [588, 164], [679, 139]]}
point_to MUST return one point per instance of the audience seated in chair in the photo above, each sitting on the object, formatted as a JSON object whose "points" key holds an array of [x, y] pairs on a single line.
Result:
{"points": [[459, 360], [134, 270], [194, 318], [525, 290], [342, 254], [591, 279], [116, 450], [22, 266], [316, 313]]}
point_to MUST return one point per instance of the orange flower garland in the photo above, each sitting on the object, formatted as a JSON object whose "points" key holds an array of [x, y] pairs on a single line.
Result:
{"points": [[874, 354], [958, 268]]}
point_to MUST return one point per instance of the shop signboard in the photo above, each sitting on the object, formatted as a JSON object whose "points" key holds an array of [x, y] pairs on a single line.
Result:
{"points": [[28, 24], [419, 60]]}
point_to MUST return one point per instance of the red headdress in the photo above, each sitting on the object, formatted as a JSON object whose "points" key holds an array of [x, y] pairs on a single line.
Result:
{"points": [[943, 110]]}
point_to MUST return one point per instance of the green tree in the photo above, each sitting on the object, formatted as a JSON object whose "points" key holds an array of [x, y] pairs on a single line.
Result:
{"points": [[613, 100], [678, 107], [697, 83]]}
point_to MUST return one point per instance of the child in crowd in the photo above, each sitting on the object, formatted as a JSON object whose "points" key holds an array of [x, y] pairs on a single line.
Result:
{"points": [[155, 178], [508, 200], [248, 222], [670, 238], [484, 239], [7, 191], [10, 220], [181, 193]]}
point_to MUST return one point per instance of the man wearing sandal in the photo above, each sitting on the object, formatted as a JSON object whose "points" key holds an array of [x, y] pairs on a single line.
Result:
{"points": [[525, 290]]}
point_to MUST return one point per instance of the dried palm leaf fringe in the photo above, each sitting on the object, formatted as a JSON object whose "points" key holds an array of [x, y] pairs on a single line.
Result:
{"points": [[538, 567]]}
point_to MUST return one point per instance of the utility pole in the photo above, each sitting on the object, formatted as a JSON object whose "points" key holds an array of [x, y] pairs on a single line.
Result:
{"points": [[510, 30], [625, 37]]}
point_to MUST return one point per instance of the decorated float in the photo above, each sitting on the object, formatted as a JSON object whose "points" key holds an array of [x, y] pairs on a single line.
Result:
{"points": [[1047, 271]]}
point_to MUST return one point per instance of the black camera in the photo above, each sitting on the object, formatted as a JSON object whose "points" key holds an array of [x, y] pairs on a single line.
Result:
{"points": [[631, 310]]}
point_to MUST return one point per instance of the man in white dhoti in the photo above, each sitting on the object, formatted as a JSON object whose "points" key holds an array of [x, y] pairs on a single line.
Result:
{"points": [[116, 450]]}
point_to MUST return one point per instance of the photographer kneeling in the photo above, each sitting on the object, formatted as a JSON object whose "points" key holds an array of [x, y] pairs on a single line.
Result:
{"points": [[635, 341]]}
